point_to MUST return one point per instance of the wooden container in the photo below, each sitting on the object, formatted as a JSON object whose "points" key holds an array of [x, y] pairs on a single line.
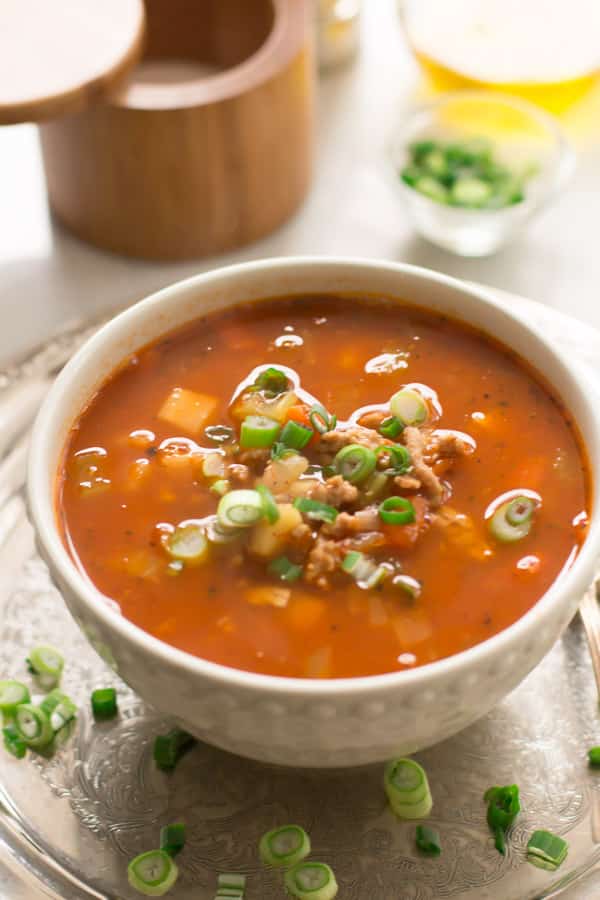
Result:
{"points": [[206, 147]]}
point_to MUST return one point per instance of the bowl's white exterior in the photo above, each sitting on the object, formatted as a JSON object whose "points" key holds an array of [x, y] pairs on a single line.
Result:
{"points": [[297, 721]]}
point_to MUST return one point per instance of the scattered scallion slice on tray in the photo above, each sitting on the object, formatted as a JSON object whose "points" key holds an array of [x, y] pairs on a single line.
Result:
{"points": [[47, 664], [231, 881], [59, 708], [311, 881], [546, 850], [512, 520], [12, 693], [240, 509], [316, 510], [355, 463], [503, 808], [409, 407], [407, 789], [258, 431], [172, 838], [153, 873], [104, 703], [13, 742], [284, 846], [33, 726], [594, 756], [428, 840], [170, 747]]}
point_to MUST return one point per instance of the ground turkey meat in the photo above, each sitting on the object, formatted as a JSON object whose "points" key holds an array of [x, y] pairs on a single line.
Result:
{"points": [[257, 457], [336, 491], [407, 482], [238, 474], [442, 444], [374, 418], [332, 441], [346, 524], [300, 540], [323, 559], [415, 444]]}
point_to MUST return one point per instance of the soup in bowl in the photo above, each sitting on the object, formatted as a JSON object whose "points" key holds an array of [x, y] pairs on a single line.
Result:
{"points": [[322, 512]]}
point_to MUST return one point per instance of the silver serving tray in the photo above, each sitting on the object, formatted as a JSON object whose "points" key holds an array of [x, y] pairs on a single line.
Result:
{"points": [[69, 825]]}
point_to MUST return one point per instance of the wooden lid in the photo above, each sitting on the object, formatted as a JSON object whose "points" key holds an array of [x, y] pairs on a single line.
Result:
{"points": [[59, 56]]}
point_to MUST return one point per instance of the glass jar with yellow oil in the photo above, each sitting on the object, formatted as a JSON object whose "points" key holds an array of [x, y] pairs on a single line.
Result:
{"points": [[547, 51]]}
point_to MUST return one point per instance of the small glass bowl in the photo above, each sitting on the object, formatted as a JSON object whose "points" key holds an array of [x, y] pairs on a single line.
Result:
{"points": [[521, 135]]}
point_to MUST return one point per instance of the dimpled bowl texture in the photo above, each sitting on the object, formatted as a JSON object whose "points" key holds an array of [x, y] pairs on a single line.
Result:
{"points": [[299, 722]]}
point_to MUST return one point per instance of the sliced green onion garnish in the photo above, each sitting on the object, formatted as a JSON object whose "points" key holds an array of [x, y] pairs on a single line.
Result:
{"points": [[272, 381], [400, 461], [409, 585], [232, 880], [170, 747], [33, 726], [172, 838], [284, 846], [320, 419], [59, 708], [284, 569], [12, 693], [153, 873], [219, 433], [295, 435], [391, 427], [258, 431], [188, 543], [512, 520], [365, 571], [229, 894], [594, 756], [311, 881], [396, 511], [428, 840], [313, 509], [546, 850], [409, 407], [375, 485], [220, 486], [240, 509], [503, 808], [13, 742], [280, 451], [269, 506], [47, 665], [104, 703], [355, 463], [407, 788]]}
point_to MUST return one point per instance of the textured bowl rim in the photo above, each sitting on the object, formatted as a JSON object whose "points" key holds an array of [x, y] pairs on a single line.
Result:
{"points": [[42, 512]]}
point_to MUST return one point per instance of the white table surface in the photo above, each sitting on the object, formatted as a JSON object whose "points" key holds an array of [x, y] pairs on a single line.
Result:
{"points": [[49, 279]]}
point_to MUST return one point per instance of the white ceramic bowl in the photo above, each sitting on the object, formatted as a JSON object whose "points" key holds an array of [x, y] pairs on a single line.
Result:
{"points": [[297, 721]]}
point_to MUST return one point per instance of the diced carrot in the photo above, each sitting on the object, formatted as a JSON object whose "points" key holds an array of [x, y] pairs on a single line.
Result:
{"points": [[299, 413], [305, 612]]}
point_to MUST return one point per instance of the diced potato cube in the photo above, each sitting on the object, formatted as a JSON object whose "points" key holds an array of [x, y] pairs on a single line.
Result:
{"points": [[187, 410], [268, 595], [268, 540]]}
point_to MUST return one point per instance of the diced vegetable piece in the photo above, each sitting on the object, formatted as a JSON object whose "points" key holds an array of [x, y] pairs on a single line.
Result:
{"points": [[594, 756], [267, 540], [270, 508], [59, 708], [153, 873], [295, 435], [272, 381], [258, 431], [172, 838], [255, 403], [311, 881], [220, 486], [268, 595], [240, 509], [355, 463], [397, 511], [471, 192], [365, 571], [188, 543], [283, 472], [47, 664], [213, 465], [432, 188], [284, 846], [503, 808], [33, 726], [170, 747], [375, 485], [409, 407], [512, 520], [407, 788], [313, 509], [12, 693], [546, 850], [321, 420], [391, 427], [13, 742], [284, 569], [187, 410], [428, 840], [232, 880], [104, 703]]}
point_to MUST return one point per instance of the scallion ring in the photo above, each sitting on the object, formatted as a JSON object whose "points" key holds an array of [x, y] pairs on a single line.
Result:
{"points": [[513, 519], [311, 881], [284, 846], [321, 420], [409, 407], [295, 435], [47, 664], [172, 838], [355, 463], [104, 703], [409, 585], [503, 808], [400, 461], [153, 873], [397, 511], [367, 573], [428, 840], [188, 543], [284, 569], [546, 850], [391, 427], [314, 509], [272, 381], [232, 881], [59, 708], [407, 789], [258, 431], [240, 509], [280, 451], [33, 726], [13, 742], [12, 694], [594, 756], [270, 508], [170, 747]]}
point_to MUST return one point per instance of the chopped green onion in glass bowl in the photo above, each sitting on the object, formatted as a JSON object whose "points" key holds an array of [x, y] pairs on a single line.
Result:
{"points": [[474, 167]]}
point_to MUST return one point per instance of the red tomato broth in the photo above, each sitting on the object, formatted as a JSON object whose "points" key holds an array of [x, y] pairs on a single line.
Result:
{"points": [[525, 441]]}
